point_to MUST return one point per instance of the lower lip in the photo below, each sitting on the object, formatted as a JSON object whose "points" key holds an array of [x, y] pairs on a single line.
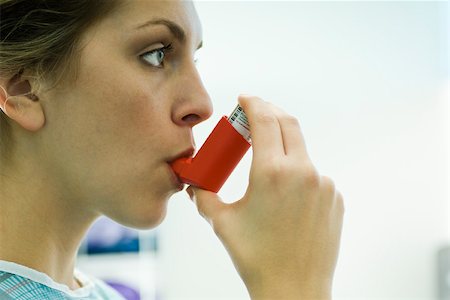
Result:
{"points": [[175, 179]]}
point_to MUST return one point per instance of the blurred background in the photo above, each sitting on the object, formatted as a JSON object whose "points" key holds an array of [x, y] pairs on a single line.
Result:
{"points": [[369, 82]]}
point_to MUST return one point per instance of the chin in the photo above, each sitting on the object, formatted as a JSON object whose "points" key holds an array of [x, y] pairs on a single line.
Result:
{"points": [[141, 216], [149, 219]]}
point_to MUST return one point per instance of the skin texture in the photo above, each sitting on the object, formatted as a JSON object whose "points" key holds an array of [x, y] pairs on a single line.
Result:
{"points": [[283, 235], [100, 145]]}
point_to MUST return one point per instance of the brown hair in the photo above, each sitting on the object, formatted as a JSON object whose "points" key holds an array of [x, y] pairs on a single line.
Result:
{"points": [[42, 38]]}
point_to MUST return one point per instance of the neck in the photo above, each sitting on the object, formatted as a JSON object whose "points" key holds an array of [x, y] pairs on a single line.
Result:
{"points": [[43, 230]]}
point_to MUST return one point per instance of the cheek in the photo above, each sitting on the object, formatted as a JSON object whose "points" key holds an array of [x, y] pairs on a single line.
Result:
{"points": [[126, 144], [131, 110], [122, 114], [110, 144], [122, 97]]}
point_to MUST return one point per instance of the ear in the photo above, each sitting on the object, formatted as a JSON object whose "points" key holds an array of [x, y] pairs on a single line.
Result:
{"points": [[20, 105]]}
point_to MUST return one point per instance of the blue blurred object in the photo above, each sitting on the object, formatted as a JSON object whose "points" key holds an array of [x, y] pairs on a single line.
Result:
{"points": [[107, 236], [128, 292]]}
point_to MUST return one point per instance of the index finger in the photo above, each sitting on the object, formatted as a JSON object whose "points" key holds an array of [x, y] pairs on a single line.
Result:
{"points": [[265, 129]]}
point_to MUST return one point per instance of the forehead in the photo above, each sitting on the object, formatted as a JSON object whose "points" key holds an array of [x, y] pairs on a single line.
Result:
{"points": [[131, 14]]}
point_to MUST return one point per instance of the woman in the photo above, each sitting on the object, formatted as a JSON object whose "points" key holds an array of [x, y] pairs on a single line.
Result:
{"points": [[98, 98]]}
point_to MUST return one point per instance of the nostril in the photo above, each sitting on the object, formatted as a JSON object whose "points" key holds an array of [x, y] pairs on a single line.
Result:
{"points": [[191, 118]]}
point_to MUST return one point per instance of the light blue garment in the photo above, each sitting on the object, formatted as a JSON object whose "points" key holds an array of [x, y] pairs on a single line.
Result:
{"points": [[21, 283]]}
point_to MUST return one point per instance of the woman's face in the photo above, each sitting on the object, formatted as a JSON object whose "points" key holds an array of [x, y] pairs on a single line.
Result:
{"points": [[111, 133]]}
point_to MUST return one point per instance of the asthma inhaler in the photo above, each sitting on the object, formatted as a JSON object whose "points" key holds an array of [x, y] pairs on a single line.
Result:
{"points": [[219, 155]]}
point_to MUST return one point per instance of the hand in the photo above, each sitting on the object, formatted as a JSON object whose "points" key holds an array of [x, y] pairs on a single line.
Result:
{"points": [[283, 235]]}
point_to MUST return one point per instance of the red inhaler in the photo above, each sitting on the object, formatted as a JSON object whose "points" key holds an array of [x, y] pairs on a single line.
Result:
{"points": [[219, 155]]}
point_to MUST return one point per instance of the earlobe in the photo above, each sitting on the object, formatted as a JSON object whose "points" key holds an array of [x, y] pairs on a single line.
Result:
{"points": [[25, 112]]}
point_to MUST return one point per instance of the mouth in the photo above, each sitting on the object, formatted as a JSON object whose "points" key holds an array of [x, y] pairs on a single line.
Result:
{"points": [[185, 154], [175, 179]]}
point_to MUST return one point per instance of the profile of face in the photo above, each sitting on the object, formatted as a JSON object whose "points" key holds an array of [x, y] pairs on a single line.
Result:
{"points": [[110, 134]]}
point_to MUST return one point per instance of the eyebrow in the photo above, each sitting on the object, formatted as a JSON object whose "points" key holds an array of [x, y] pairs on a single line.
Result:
{"points": [[174, 28]]}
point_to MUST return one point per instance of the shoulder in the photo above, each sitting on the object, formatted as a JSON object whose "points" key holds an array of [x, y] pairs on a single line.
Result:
{"points": [[100, 290], [16, 287]]}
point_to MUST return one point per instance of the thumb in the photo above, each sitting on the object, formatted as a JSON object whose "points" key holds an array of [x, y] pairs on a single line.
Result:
{"points": [[209, 204]]}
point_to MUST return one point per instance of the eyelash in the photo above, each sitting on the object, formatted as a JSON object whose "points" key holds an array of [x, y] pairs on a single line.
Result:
{"points": [[164, 50]]}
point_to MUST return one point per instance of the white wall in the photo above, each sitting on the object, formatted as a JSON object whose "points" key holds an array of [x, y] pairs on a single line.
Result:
{"points": [[369, 84]]}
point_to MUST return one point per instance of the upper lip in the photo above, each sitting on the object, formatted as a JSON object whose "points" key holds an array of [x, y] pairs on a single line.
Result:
{"points": [[186, 153]]}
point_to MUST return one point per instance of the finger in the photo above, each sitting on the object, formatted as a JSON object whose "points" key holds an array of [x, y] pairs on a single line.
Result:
{"points": [[339, 202], [264, 127], [293, 140], [209, 204]]}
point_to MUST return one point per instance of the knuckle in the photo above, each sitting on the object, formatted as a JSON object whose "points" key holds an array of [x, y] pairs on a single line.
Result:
{"points": [[266, 118], [310, 178], [273, 170], [328, 185], [291, 120], [340, 202], [276, 172]]}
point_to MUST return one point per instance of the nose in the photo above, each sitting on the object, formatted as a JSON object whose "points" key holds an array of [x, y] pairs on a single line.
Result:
{"points": [[193, 104]]}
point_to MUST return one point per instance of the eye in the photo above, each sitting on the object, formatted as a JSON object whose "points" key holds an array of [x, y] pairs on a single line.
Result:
{"points": [[156, 57]]}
